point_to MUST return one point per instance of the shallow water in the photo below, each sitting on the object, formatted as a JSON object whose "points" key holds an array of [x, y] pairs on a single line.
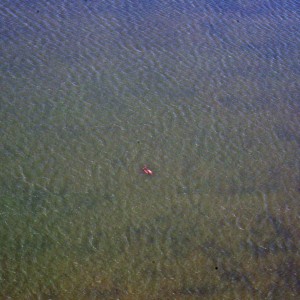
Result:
{"points": [[206, 93]]}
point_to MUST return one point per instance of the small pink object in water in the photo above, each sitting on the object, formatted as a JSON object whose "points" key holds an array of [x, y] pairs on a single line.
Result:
{"points": [[147, 171]]}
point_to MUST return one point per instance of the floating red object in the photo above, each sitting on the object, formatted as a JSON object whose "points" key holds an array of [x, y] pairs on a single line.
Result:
{"points": [[147, 171]]}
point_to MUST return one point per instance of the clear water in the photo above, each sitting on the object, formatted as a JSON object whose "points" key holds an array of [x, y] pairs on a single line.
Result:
{"points": [[206, 93]]}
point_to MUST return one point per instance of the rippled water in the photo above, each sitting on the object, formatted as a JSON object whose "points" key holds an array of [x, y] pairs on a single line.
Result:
{"points": [[206, 93]]}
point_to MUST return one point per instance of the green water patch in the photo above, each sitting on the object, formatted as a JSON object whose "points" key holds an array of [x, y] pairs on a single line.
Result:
{"points": [[205, 245]]}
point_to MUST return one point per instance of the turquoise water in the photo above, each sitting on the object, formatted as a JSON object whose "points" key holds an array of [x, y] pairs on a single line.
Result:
{"points": [[206, 93]]}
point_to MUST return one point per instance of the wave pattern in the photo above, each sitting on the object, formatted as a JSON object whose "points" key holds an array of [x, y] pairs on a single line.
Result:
{"points": [[205, 93]]}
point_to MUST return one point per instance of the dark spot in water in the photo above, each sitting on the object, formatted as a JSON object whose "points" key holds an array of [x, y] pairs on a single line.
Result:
{"points": [[216, 268]]}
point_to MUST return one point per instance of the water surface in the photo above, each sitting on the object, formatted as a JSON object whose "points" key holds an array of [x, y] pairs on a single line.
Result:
{"points": [[206, 93]]}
